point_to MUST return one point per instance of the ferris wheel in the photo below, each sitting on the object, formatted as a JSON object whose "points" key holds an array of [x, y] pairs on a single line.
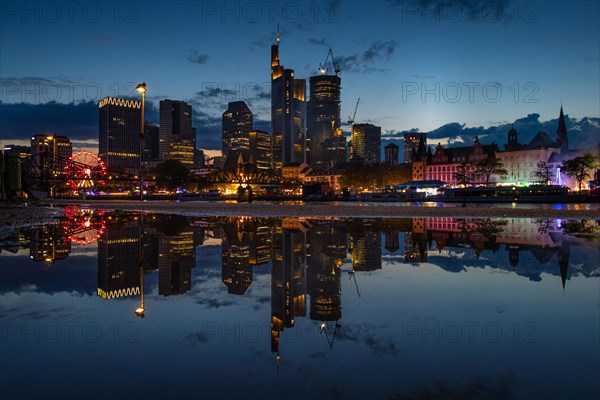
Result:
{"points": [[84, 170]]}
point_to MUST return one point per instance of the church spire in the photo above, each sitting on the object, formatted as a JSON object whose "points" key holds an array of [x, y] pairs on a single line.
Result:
{"points": [[561, 132]]}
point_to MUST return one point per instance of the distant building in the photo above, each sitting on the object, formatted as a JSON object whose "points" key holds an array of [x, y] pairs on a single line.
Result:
{"points": [[151, 142], [259, 150], [177, 137], [120, 129], [336, 152], [199, 158], [391, 154], [366, 143], [49, 154], [237, 122], [323, 121], [411, 144]]}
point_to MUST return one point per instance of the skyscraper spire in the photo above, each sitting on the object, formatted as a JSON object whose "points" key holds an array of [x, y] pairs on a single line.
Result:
{"points": [[278, 34]]}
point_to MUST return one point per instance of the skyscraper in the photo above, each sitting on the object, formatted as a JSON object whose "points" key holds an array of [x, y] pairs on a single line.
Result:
{"points": [[288, 113], [120, 128], [366, 143], [177, 137], [411, 144], [260, 149], [49, 154], [323, 118], [237, 124]]}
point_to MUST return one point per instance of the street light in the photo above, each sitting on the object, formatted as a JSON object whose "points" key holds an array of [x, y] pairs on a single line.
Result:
{"points": [[142, 89]]}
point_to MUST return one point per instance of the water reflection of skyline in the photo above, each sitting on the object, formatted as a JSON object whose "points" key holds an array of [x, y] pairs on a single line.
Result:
{"points": [[307, 257], [267, 293]]}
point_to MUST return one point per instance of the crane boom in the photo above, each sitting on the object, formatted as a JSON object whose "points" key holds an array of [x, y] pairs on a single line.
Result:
{"points": [[353, 116], [323, 67]]}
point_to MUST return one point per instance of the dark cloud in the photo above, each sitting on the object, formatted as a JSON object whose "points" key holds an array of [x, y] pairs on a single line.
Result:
{"points": [[318, 42], [194, 57], [584, 130], [367, 61]]}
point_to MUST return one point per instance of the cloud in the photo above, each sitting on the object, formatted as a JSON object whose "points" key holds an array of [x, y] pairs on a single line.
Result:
{"points": [[194, 57], [366, 62], [318, 42]]}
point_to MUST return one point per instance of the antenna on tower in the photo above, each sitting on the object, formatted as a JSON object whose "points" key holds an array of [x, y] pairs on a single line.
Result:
{"points": [[278, 34]]}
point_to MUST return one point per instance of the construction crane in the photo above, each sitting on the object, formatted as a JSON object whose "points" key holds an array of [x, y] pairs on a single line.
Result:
{"points": [[323, 67], [353, 116]]}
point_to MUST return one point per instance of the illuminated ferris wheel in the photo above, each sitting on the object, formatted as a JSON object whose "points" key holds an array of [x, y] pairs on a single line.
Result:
{"points": [[85, 171]]}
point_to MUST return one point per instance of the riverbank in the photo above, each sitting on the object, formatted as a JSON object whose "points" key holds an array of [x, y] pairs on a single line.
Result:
{"points": [[349, 210]]}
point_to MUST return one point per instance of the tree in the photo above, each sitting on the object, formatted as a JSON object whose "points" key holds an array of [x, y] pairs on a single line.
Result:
{"points": [[579, 168], [171, 174], [488, 167], [462, 174], [543, 173]]}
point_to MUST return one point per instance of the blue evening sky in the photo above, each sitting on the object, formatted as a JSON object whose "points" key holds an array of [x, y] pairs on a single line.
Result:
{"points": [[414, 64]]}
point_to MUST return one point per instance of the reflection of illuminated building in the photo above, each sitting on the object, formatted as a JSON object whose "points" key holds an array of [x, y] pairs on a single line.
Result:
{"points": [[119, 252], [326, 254], [49, 243], [246, 243], [415, 247], [235, 260], [366, 250], [288, 285], [175, 276]]}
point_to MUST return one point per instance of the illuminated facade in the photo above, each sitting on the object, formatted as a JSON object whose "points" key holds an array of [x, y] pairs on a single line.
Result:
{"points": [[288, 113], [49, 154], [336, 151], [444, 164], [323, 122], [237, 122], [120, 129], [177, 137], [366, 143], [260, 149]]}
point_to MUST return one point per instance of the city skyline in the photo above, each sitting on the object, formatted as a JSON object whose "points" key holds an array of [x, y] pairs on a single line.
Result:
{"points": [[504, 54]]}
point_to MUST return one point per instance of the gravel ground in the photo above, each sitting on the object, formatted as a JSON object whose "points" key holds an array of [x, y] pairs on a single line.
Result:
{"points": [[390, 210]]}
